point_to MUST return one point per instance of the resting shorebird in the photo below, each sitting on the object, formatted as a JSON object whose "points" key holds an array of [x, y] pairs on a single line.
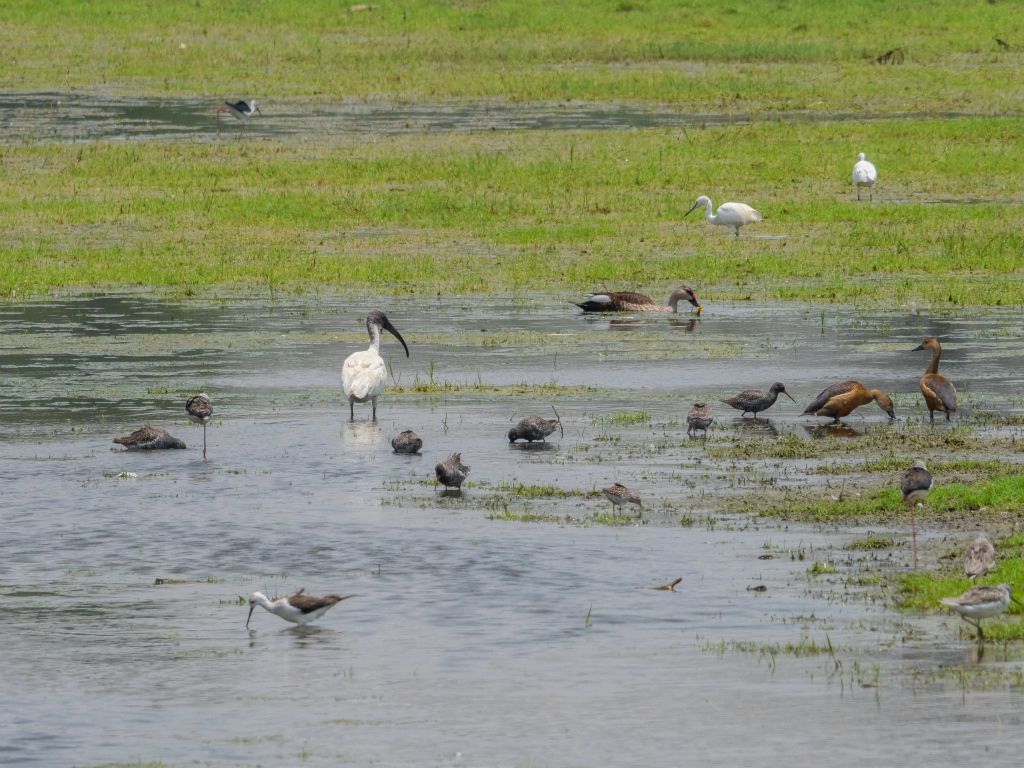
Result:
{"points": [[916, 483], [980, 557], [298, 609], [199, 410], [618, 494], [979, 603], [240, 110], [864, 175], [149, 438], [406, 442], [451, 472], [532, 428], [627, 301], [364, 374], [733, 215], [755, 401], [939, 392], [700, 418]]}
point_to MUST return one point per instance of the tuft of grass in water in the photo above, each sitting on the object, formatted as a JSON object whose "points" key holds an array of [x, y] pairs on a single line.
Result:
{"points": [[511, 516], [870, 543], [614, 521], [898, 463], [820, 569], [622, 419]]}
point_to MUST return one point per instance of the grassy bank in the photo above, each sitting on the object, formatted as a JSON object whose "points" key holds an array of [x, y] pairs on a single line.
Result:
{"points": [[723, 57], [565, 211]]}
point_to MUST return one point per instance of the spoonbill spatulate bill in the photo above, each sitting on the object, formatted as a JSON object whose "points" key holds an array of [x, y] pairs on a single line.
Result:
{"points": [[364, 374], [733, 215], [864, 175]]}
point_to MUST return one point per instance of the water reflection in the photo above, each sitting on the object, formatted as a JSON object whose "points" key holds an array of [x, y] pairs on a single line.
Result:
{"points": [[833, 429]]}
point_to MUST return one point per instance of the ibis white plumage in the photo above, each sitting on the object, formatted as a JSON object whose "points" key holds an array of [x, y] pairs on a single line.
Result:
{"points": [[733, 215], [364, 374], [864, 175]]}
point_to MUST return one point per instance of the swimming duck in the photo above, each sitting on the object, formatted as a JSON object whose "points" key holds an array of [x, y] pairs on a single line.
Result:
{"points": [[939, 392], [844, 398], [149, 438], [532, 428], [699, 417], [406, 442], [754, 400], [451, 472], [626, 301]]}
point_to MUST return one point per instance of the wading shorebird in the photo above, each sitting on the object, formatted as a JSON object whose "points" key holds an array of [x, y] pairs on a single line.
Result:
{"points": [[298, 609], [914, 486], [406, 442], [844, 398], [980, 557], [200, 411], [754, 400], [451, 472], [240, 110], [939, 392], [618, 494], [149, 438], [364, 374], [532, 428], [979, 603], [700, 418], [864, 175], [733, 215], [626, 301]]}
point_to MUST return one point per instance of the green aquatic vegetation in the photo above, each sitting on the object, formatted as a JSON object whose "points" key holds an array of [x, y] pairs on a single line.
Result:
{"points": [[512, 516], [870, 543], [898, 463], [613, 520], [445, 387], [821, 569], [622, 419]]}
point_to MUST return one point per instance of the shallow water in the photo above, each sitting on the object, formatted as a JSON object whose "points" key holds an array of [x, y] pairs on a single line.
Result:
{"points": [[42, 116], [469, 641]]}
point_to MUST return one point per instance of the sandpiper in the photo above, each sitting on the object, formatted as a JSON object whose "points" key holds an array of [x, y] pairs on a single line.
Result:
{"points": [[298, 609], [149, 438], [979, 603], [618, 494], [532, 428], [754, 400], [406, 442], [700, 418], [916, 483], [451, 472], [199, 410], [980, 557]]}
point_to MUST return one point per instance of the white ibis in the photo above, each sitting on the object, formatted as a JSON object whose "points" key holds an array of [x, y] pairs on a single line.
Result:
{"points": [[364, 374], [733, 215]]}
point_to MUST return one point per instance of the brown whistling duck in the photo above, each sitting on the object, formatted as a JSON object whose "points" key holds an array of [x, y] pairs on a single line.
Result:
{"points": [[626, 301], [755, 401], [844, 398], [939, 392]]}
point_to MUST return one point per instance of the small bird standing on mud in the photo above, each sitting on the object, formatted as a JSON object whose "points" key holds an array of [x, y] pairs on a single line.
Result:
{"points": [[200, 411], [754, 400], [149, 438], [700, 418], [979, 603], [618, 494], [406, 442], [532, 428], [916, 483], [298, 608], [980, 557], [240, 110], [451, 472], [939, 392]]}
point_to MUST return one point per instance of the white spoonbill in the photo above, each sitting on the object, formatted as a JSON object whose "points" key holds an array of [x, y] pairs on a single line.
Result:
{"points": [[864, 175], [364, 373], [733, 215]]}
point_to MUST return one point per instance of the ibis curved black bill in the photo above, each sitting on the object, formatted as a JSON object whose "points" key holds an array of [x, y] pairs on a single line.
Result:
{"points": [[380, 320], [391, 329]]}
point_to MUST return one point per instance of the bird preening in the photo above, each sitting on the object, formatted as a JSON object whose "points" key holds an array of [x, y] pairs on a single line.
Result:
{"points": [[149, 438], [535, 428], [200, 411], [364, 374], [451, 473]]}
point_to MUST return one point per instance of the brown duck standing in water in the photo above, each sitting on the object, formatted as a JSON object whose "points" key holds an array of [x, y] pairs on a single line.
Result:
{"points": [[754, 400], [149, 438], [626, 301], [939, 392], [844, 398]]}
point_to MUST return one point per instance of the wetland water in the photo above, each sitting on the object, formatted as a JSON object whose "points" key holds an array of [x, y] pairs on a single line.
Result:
{"points": [[472, 641], [40, 116]]}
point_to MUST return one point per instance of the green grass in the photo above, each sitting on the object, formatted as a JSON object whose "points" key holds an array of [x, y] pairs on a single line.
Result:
{"points": [[622, 419], [561, 211], [736, 57]]}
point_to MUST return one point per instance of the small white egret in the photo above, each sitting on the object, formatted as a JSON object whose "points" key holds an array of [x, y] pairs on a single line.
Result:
{"points": [[733, 215], [364, 374], [864, 175]]}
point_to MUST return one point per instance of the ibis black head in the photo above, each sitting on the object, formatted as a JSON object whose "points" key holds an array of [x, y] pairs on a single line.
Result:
{"points": [[380, 320]]}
